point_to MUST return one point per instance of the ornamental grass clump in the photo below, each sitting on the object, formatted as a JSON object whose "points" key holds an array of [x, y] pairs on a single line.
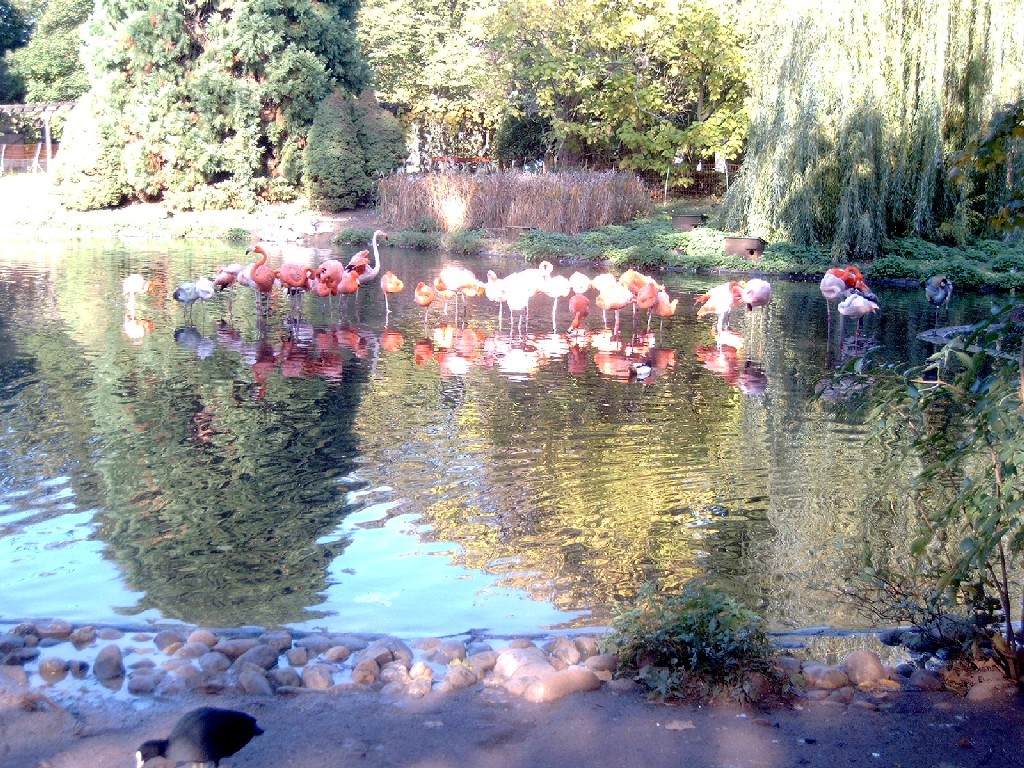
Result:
{"points": [[696, 644]]}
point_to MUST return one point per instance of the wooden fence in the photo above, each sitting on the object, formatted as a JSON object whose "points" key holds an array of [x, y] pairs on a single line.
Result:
{"points": [[25, 158]]}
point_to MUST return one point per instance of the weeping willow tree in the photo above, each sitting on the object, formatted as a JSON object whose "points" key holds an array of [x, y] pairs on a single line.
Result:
{"points": [[857, 108]]}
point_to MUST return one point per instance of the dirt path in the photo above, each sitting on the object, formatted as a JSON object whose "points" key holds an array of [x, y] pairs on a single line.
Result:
{"points": [[480, 728]]}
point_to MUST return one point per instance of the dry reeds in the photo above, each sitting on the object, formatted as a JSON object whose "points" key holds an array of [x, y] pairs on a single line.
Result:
{"points": [[569, 202]]}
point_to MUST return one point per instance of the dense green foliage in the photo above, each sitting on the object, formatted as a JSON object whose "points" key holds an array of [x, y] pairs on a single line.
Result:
{"points": [[15, 31], [92, 176], [334, 173], [432, 65], [698, 641], [49, 65], [856, 116], [992, 161], [634, 85], [208, 106], [521, 140], [962, 415]]}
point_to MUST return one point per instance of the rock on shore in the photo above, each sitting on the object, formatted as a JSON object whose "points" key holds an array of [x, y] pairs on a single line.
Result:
{"points": [[62, 659]]}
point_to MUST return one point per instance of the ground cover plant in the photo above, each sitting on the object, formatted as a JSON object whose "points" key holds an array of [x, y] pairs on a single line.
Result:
{"points": [[700, 642]]}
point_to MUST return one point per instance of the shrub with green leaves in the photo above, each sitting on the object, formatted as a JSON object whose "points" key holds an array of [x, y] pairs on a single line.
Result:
{"points": [[699, 642], [536, 245], [334, 172], [468, 242], [957, 419], [894, 268], [912, 248], [1007, 262], [353, 236], [420, 241], [964, 276]]}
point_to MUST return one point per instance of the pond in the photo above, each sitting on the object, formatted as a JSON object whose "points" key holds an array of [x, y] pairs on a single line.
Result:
{"points": [[419, 473]]}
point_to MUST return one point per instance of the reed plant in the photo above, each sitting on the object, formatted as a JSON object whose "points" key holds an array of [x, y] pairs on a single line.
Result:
{"points": [[569, 202]]}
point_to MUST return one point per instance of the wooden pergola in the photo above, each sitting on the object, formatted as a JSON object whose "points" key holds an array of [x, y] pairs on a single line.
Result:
{"points": [[44, 110]]}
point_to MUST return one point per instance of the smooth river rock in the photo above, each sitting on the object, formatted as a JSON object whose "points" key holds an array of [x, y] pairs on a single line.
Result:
{"points": [[109, 664], [824, 677], [863, 667], [574, 679]]}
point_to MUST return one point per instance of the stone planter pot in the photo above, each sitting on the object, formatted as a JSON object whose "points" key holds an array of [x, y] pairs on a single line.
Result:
{"points": [[689, 221], [748, 247]]}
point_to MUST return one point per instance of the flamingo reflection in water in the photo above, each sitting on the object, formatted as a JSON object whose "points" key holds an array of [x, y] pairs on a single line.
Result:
{"points": [[726, 361]]}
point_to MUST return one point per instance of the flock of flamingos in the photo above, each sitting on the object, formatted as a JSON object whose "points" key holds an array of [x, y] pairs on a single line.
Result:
{"points": [[456, 349]]}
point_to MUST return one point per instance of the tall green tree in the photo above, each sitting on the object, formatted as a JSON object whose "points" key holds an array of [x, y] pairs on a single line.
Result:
{"points": [[432, 64], [856, 112], [638, 84], [50, 65], [15, 31], [210, 104]]}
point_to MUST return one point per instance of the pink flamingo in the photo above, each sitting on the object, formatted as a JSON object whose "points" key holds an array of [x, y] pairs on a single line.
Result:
{"points": [[295, 279], [390, 283], [614, 297], [579, 282], [579, 306], [372, 271], [494, 290], [424, 296], [555, 287], [262, 276], [721, 300]]}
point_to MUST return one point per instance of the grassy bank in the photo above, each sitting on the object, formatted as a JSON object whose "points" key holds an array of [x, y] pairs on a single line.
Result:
{"points": [[652, 243]]}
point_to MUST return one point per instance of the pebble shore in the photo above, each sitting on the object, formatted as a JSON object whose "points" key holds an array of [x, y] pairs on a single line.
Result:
{"points": [[61, 660]]}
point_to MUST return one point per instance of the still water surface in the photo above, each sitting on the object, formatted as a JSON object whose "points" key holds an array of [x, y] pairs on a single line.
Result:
{"points": [[361, 472]]}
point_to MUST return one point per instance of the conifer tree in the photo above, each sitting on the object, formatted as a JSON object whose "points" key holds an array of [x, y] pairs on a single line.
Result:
{"points": [[210, 102]]}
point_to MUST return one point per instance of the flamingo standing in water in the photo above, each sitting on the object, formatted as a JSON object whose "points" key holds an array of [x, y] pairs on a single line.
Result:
{"points": [[262, 276], [390, 283], [371, 272], [424, 296], [756, 293], [494, 290], [614, 296], [452, 281], [579, 282], [857, 306], [295, 279], [833, 286], [518, 292], [721, 300], [579, 305], [557, 287]]}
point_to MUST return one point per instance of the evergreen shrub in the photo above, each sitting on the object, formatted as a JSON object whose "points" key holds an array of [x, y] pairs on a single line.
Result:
{"points": [[88, 170], [334, 169]]}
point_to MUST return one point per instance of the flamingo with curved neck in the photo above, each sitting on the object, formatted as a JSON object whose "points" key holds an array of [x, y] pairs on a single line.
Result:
{"points": [[371, 272]]}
